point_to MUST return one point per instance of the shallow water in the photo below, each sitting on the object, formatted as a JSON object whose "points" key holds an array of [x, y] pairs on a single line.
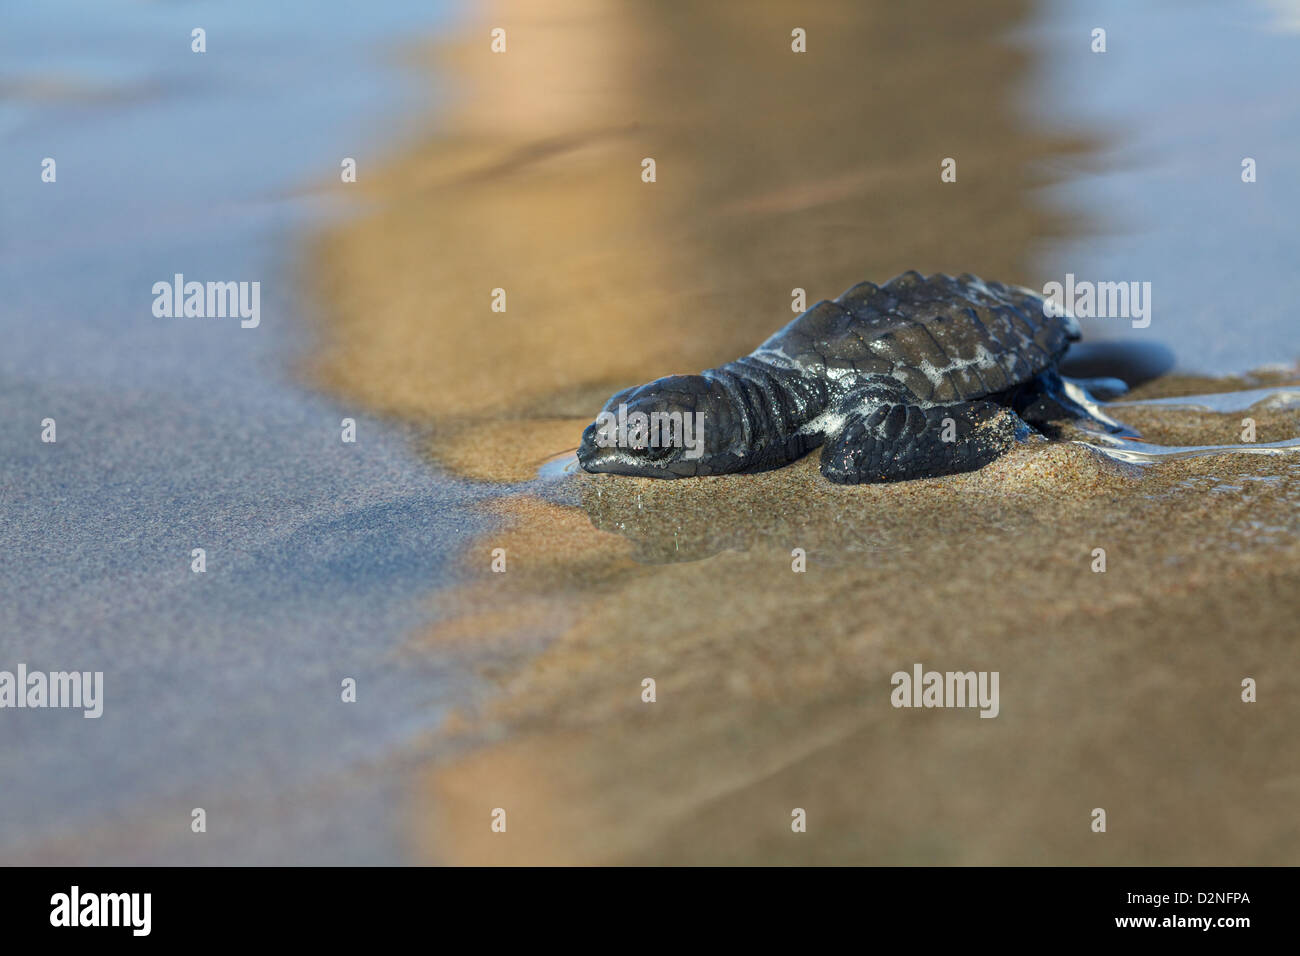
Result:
{"points": [[1123, 444], [1284, 396], [1139, 452], [222, 689], [1184, 93]]}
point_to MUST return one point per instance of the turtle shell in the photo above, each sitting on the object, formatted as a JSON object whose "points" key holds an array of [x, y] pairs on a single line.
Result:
{"points": [[947, 339]]}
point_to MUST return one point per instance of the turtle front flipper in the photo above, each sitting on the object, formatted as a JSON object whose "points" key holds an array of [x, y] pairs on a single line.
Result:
{"points": [[898, 441]]}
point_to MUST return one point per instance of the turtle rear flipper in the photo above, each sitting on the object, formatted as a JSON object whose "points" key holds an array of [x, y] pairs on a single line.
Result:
{"points": [[1050, 400], [897, 441]]}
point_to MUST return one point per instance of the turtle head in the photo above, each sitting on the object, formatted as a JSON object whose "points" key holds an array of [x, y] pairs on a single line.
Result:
{"points": [[673, 427]]}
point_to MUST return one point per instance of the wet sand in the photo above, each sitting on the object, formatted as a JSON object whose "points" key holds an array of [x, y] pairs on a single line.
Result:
{"points": [[1119, 689]]}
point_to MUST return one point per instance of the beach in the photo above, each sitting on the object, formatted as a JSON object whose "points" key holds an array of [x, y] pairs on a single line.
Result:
{"points": [[300, 569], [1122, 683]]}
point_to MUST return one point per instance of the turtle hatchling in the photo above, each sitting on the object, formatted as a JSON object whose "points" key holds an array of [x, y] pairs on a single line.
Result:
{"points": [[915, 378]]}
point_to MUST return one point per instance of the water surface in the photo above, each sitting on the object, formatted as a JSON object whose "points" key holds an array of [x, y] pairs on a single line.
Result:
{"points": [[1184, 93], [222, 689]]}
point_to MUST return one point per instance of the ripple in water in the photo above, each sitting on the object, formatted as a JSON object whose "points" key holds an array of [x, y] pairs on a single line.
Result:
{"points": [[1126, 445]]}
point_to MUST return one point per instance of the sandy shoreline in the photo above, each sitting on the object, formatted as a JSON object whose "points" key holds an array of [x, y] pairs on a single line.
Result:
{"points": [[1119, 689]]}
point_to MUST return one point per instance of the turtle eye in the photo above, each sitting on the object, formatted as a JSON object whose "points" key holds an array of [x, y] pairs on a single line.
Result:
{"points": [[659, 452]]}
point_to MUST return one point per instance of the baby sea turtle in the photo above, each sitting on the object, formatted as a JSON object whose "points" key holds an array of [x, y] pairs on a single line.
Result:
{"points": [[918, 377]]}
